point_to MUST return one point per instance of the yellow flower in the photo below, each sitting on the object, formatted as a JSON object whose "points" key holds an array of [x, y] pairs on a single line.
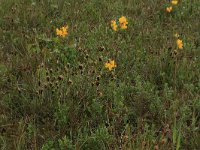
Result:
{"points": [[169, 9], [123, 26], [62, 31], [114, 25], [174, 2], [123, 22], [179, 43], [122, 19], [110, 64]]}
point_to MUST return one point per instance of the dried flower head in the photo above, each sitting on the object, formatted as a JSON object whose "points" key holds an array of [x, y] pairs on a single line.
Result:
{"points": [[102, 48], [48, 78], [100, 94], [80, 66], [60, 77], [69, 82], [98, 77]]}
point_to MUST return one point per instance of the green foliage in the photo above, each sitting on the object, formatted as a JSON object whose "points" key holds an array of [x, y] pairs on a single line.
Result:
{"points": [[61, 115], [56, 92], [48, 145]]}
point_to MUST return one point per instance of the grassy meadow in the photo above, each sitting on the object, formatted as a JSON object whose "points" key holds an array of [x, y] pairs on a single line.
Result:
{"points": [[99, 75]]}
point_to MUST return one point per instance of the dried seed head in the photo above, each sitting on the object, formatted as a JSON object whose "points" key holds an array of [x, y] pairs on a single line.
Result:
{"points": [[86, 56], [100, 58], [93, 71], [70, 82], [45, 86], [98, 77], [175, 52], [60, 77], [48, 78], [100, 94], [47, 73], [80, 66], [97, 83], [125, 137], [80, 49], [101, 49], [40, 91], [37, 92], [51, 70], [50, 84]]}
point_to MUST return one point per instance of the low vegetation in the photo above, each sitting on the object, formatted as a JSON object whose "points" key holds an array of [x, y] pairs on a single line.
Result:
{"points": [[99, 74]]}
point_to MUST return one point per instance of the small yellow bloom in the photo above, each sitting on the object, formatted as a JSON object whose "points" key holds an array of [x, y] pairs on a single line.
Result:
{"points": [[123, 22], [62, 31], [110, 64], [122, 19], [123, 26], [114, 25], [179, 43], [174, 2], [169, 9]]}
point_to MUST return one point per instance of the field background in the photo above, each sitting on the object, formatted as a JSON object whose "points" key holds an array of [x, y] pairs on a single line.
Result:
{"points": [[56, 94]]}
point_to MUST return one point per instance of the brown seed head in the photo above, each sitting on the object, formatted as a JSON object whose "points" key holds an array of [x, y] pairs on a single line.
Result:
{"points": [[97, 83], [48, 78], [101, 49], [98, 77], [60, 77], [69, 82], [80, 66]]}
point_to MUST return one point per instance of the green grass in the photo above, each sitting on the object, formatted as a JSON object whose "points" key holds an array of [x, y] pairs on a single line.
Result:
{"points": [[56, 94]]}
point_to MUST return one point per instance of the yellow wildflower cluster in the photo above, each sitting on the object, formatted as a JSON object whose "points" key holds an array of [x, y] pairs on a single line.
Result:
{"points": [[179, 44], [122, 23], [170, 8], [110, 64], [114, 25], [174, 2], [63, 31]]}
